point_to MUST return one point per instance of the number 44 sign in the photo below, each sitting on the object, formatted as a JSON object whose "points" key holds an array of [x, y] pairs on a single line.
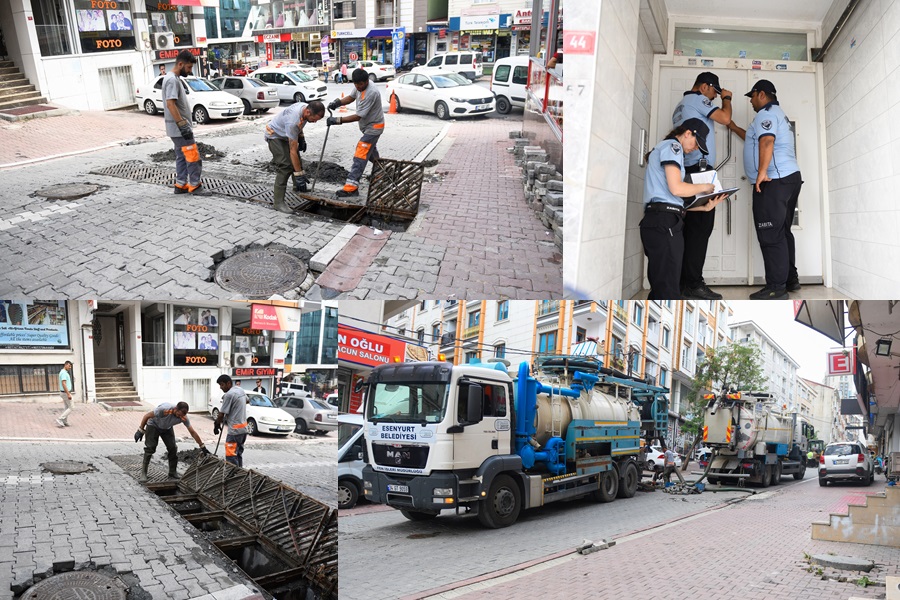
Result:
{"points": [[579, 42]]}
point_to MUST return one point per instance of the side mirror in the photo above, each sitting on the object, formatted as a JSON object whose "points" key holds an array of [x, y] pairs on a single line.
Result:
{"points": [[428, 86], [288, 82], [360, 384], [475, 407]]}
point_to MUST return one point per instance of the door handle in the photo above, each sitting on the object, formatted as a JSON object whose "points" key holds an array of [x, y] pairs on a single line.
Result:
{"points": [[494, 445], [728, 215]]}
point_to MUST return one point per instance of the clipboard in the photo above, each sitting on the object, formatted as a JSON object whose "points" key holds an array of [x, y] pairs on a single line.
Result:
{"points": [[704, 199]]}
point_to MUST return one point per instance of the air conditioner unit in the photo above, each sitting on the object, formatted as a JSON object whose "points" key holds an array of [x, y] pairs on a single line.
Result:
{"points": [[164, 41], [243, 360]]}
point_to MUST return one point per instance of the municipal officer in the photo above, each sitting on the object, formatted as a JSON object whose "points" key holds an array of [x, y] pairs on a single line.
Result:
{"points": [[698, 226], [664, 193], [770, 161]]}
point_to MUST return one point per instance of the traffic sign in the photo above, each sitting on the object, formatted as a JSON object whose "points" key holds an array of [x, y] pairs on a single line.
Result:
{"points": [[354, 56]]}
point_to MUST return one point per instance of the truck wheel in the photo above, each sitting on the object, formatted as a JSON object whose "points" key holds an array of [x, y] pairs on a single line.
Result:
{"points": [[712, 480], [802, 473], [502, 505], [609, 487], [776, 474], [766, 476], [414, 515], [628, 483]]}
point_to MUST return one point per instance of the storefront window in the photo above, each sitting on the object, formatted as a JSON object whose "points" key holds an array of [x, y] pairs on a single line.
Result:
{"points": [[170, 18], [349, 47], [52, 27], [103, 29], [234, 15], [329, 341], [256, 342], [28, 379], [195, 336], [209, 16], [286, 14]]}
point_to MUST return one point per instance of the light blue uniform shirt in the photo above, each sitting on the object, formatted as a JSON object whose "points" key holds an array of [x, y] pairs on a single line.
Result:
{"points": [[695, 105], [770, 120], [656, 188]]}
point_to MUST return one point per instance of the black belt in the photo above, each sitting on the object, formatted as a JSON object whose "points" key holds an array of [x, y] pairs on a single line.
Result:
{"points": [[663, 207]]}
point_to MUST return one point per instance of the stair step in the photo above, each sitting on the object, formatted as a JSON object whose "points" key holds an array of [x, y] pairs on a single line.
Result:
{"points": [[8, 70], [36, 99], [6, 64], [12, 80], [13, 92]]}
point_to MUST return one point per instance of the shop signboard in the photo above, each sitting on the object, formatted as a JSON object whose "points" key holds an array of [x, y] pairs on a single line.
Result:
{"points": [[349, 33], [368, 349], [173, 53], [104, 25], [323, 45], [467, 22], [251, 372], [842, 362], [275, 318], [399, 38], [33, 324], [195, 336]]}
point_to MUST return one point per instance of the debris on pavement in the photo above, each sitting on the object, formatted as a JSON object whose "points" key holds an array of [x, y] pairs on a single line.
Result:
{"points": [[207, 152]]}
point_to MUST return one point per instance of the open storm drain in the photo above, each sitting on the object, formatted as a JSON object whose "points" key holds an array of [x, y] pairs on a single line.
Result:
{"points": [[83, 584], [67, 467], [261, 273]]}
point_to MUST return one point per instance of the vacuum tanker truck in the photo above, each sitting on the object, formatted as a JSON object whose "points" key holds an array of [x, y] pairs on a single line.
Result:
{"points": [[754, 440], [475, 438]]}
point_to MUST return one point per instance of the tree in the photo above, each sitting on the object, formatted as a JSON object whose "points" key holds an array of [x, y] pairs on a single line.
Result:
{"points": [[731, 367]]}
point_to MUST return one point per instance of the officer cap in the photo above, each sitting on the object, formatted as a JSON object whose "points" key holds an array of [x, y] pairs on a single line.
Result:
{"points": [[710, 78], [763, 85], [700, 131]]}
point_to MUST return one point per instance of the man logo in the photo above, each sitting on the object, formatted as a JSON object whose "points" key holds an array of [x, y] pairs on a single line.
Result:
{"points": [[767, 124]]}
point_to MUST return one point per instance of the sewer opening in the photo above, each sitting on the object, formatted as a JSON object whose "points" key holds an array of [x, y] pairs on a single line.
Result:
{"points": [[67, 467], [64, 582], [260, 271]]}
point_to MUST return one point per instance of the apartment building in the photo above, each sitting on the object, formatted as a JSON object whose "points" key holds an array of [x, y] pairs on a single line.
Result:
{"points": [[778, 367], [826, 411]]}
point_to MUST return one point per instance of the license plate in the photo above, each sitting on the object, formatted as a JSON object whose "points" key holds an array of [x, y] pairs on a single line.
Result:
{"points": [[403, 489], [843, 461], [482, 107]]}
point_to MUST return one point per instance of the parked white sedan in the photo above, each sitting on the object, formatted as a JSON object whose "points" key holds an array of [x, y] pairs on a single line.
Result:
{"points": [[375, 71], [206, 101], [448, 95], [262, 415]]}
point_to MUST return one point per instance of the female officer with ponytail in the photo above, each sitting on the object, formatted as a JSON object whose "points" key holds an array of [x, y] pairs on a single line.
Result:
{"points": [[664, 193]]}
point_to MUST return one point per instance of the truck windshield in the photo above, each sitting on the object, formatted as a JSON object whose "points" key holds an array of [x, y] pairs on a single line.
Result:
{"points": [[407, 403]]}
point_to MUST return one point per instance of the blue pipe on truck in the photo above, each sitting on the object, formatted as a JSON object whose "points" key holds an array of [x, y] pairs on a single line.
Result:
{"points": [[527, 390]]}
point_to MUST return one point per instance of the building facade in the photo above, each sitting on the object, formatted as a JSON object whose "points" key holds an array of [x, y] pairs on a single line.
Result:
{"points": [[779, 369]]}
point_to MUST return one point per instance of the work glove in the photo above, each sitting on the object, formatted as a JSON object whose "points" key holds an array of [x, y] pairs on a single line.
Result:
{"points": [[335, 104], [138, 435], [204, 450], [333, 121], [186, 132], [301, 183], [216, 429], [301, 144]]}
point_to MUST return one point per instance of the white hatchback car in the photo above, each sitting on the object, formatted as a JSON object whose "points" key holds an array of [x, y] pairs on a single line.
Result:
{"points": [[448, 95], [656, 458], [291, 86], [376, 71], [206, 101], [351, 449], [847, 460], [262, 415]]}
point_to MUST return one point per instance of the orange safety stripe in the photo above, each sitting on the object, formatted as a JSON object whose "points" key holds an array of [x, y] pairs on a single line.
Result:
{"points": [[705, 432], [728, 433], [191, 154], [230, 448], [241, 426], [378, 125], [362, 150]]}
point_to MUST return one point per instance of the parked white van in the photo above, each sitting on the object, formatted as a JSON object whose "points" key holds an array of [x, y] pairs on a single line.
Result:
{"points": [[296, 388], [467, 64], [508, 83]]}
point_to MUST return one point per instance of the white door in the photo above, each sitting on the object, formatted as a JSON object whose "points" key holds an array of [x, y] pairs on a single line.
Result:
{"points": [[733, 256]]}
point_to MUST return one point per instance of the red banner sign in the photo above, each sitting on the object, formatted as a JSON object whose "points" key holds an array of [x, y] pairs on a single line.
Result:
{"points": [[274, 318], [369, 349], [842, 362], [256, 372]]}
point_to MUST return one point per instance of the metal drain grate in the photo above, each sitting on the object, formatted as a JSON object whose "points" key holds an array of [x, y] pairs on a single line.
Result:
{"points": [[161, 178], [394, 189], [261, 273], [247, 191], [136, 171]]}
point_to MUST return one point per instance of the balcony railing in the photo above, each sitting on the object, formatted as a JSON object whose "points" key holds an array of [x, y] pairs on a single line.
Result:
{"points": [[448, 339], [620, 313], [548, 308], [470, 332], [384, 21]]}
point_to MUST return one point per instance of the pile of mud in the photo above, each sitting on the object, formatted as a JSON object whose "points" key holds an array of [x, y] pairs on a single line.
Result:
{"points": [[207, 152]]}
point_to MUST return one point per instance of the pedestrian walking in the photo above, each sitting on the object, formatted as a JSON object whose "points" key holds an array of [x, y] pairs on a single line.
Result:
{"points": [[234, 414], [284, 134], [65, 393], [159, 423], [344, 73], [177, 113], [770, 160], [259, 387], [370, 115], [664, 192], [697, 103]]}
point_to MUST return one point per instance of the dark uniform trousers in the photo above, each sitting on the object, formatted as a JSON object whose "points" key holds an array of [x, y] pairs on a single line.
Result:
{"points": [[773, 214], [698, 226], [662, 236]]}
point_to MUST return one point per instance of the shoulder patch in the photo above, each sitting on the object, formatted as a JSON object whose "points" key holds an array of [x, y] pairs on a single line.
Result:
{"points": [[766, 125], [707, 101], [676, 148]]}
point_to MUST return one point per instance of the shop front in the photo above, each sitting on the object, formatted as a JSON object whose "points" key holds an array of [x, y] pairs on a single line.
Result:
{"points": [[290, 30], [477, 33], [311, 352]]}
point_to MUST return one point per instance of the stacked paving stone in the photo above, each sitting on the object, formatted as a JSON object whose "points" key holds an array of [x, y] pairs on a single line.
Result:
{"points": [[543, 184]]}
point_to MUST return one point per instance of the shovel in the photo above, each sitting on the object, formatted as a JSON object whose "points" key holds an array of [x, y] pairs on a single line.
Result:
{"points": [[321, 154]]}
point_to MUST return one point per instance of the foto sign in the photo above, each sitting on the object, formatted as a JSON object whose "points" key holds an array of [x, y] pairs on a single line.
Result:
{"points": [[842, 362]]}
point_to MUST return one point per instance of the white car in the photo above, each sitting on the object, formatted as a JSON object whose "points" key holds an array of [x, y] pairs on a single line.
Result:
{"points": [[846, 460], [350, 460], [291, 86], [253, 93], [376, 71], [448, 95], [293, 66], [262, 415], [656, 458], [206, 101]]}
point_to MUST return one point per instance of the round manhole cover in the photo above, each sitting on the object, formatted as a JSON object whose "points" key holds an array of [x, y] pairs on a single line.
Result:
{"points": [[261, 273], [67, 191], [68, 467], [77, 586]]}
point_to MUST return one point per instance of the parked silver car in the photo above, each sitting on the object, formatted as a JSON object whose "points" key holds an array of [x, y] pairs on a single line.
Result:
{"points": [[253, 93], [309, 414], [846, 460]]}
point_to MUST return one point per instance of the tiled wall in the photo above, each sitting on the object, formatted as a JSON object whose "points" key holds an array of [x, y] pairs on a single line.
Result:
{"points": [[862, 113], [597, 158]]}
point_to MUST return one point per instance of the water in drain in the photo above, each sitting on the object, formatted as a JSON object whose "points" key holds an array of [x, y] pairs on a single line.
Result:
{"points": [[78, 584], [261, 273]]}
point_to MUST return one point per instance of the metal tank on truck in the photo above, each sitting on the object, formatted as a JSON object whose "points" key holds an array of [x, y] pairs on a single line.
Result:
{"points": [[754, 439], [472, 437]]}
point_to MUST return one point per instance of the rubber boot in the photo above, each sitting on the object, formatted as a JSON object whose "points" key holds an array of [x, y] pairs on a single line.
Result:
{"points": [[281, 206], [173, 466], [144, 467]]}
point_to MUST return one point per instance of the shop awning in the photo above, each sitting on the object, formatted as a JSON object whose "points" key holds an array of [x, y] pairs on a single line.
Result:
{"points": [[824, 316], [379, 33]]}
